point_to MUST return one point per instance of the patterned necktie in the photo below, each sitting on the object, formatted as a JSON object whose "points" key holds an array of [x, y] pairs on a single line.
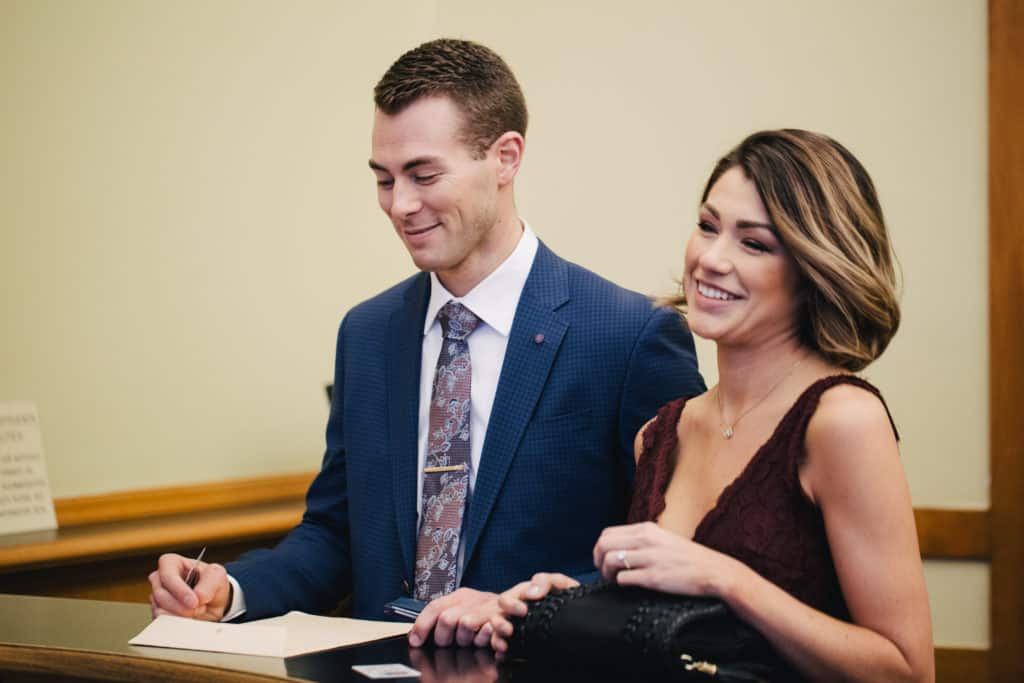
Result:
{"points": [[446, 475]]}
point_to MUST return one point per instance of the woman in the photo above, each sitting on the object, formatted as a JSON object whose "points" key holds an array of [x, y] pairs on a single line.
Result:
{"points": [[780, 490]]}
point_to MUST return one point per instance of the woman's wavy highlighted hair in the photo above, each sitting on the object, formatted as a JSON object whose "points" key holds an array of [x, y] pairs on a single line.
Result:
{"points": [[826, 211]]}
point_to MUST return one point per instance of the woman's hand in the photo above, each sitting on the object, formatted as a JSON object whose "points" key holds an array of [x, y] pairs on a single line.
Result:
{"points": [[512, 603], [648, 556]]}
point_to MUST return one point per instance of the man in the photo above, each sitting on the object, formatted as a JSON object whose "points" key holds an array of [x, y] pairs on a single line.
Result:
{"points": [[484, 410]]}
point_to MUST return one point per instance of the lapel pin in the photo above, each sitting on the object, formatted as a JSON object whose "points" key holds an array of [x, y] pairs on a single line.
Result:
{"points": [[538, 338]]}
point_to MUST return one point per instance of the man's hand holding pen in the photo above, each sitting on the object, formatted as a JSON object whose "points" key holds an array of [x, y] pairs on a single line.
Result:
{"points": [[190, 588]]}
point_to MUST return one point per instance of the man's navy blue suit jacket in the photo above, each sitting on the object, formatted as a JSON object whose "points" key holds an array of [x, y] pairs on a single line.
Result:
{"points": [[557, 460]]}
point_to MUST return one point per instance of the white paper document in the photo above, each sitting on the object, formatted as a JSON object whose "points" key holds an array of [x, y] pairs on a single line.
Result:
{"points": [[295, 633], [310, 633]]}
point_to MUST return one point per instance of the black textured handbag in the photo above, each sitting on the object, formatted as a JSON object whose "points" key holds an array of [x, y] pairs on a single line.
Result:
{"points": [[615, 633]]}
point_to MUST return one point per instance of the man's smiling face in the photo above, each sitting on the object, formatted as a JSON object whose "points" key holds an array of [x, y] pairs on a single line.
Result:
{"points": [[440, 195]]}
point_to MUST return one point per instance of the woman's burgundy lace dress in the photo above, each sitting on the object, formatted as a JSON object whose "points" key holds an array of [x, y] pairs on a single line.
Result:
{"points": [[763, 518]]}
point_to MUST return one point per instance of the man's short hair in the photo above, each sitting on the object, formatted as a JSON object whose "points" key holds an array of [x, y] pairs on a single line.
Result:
{"points": [[476, 79]]}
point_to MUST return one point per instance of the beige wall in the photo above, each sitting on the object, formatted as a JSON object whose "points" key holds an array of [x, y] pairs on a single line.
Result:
{"points": [[186, 213]]}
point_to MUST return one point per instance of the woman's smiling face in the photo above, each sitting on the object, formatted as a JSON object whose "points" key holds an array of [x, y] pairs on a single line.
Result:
{"points": [[740, 281]]}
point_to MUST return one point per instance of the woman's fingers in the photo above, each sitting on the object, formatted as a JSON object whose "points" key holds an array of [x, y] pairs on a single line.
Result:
{"points": [[543, 583], [501, 631], [562, 582], [513, 603], [483, 636], [617, 538]]}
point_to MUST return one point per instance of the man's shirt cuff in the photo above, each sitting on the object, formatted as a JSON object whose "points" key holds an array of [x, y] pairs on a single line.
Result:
{"points": [[237, 606]]}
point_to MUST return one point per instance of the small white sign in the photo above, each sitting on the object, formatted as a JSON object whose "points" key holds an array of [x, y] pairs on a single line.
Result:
{"points": [[25, 500], [386, 671]]}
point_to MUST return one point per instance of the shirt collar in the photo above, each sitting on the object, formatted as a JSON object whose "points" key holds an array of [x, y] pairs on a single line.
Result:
{"points": [[495, 298]]}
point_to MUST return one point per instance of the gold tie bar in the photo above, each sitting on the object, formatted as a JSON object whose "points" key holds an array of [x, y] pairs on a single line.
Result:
{"points": [[445, 468]]}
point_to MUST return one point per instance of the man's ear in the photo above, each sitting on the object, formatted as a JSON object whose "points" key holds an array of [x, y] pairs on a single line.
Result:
{"points": [[508, 152]]}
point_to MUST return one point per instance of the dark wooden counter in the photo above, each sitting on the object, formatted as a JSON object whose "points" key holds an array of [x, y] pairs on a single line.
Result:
{"points": [[56, 639]]}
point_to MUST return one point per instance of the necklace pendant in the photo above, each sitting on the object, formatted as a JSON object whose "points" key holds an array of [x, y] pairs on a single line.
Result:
{"points": [[727, 431]]}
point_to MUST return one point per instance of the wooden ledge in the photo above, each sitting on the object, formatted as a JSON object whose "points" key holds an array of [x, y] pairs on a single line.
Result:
{"points": [[144, 536], [158, 520], [175, 500], [954, 534], [148, 521]]}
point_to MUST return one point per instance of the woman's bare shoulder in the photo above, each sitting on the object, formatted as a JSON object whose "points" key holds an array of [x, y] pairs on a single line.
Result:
{"points": [[850, 427]]}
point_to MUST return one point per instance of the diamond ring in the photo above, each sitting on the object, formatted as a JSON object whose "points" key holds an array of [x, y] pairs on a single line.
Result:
{"points": [[621, 557]]}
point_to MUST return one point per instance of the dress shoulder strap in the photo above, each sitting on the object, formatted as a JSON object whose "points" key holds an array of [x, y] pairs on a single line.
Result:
{"points": [[807, 403], [654, 464], [662, 426]]}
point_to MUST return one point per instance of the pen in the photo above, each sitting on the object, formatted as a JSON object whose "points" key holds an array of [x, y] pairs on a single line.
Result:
{"points": [[192, 576]]}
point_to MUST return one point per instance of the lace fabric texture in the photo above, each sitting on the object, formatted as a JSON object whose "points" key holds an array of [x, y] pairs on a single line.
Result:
{"points": [[763, 518]]}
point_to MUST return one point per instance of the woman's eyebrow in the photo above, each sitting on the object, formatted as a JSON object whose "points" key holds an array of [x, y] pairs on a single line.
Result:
{"points": [[755, 224]]}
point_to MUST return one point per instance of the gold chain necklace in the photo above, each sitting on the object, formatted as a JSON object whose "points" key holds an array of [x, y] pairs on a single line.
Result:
{"points": [[729, 429]]}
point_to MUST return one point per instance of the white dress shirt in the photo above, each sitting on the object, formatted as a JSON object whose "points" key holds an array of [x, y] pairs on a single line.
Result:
{"points": [[493, 301]]}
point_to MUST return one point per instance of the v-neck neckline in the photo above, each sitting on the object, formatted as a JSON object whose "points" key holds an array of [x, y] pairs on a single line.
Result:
{"points": [[729, 490]]}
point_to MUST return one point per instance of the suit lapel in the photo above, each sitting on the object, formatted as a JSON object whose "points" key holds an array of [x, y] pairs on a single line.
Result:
{"points": [[404, 345], [536, 335]]}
